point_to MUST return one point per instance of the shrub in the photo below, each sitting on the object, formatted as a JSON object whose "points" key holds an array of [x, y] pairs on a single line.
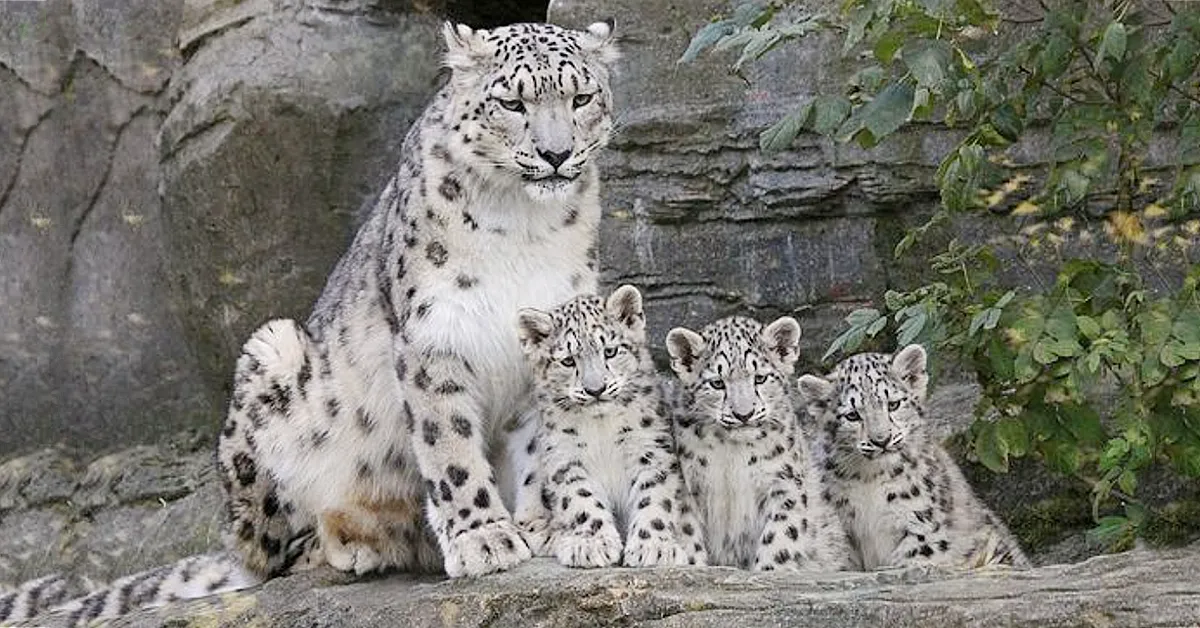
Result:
{"points": [[1098, 374]]}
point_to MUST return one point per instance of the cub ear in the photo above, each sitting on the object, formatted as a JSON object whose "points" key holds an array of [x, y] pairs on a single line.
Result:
{"points": [[625, 305], [686, 347], [465, 47], [814, 390], [533, 327], [909, 364], [782, 339], [598, 40]]}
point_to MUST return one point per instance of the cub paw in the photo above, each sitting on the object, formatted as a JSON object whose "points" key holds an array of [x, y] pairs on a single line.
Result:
{"points": [[587, 549], [490, 548], [654, 552]]}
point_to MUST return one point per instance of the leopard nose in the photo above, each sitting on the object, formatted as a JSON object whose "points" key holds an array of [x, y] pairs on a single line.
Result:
{"points": [[555, 159], [743, 417], [880, 443], [595, 392]]}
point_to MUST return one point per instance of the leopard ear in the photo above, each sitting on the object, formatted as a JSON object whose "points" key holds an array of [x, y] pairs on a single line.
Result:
{"points": [[465, 47], [686, 347], [814, 390], [533, 327], [625, 305], [909, 364], [598, 40], [782, 339]]}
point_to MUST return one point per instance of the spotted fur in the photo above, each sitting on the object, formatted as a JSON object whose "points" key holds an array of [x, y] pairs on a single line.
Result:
{"points": [[900, 496], [362, 438], [609, 477], [744, 458], [190, 578]]}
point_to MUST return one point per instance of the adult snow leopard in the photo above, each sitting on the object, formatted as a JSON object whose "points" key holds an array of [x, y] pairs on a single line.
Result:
{"points": [[398, 391]]}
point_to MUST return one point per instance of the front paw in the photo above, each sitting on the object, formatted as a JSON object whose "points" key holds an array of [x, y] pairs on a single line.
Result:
{"points": [[587, 549], [654, 552], [355, 557], [493, 547]]}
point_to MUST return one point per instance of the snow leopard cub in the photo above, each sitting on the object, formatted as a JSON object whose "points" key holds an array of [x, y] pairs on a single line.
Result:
{"points": [[609, 479], [901, 497], [744, 458]]}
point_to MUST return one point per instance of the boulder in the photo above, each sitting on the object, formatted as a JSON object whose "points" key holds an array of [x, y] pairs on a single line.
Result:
{"points": [[1137, 589]]}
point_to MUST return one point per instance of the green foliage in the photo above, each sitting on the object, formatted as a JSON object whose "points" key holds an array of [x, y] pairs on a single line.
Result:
{"points": [[1097, 375]]}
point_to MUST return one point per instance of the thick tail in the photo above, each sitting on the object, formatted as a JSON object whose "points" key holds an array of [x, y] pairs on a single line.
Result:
{"points": [[270, 381], [32, 598], [190, 578]]}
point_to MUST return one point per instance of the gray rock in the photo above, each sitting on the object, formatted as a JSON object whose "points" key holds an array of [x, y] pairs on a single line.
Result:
{"points": [[286, 117], [1137, 589]]}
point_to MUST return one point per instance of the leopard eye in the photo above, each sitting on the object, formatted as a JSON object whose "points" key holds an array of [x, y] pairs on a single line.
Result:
{"points": [[716, 384], [581, 100], [851, 416], [512, 105], [568, 361], [759, 380], [610, 352], [893, 405]]}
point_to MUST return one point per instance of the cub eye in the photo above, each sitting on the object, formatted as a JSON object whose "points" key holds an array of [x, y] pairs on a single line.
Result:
{"points": [[760, 379], [512, 105], [716, 384], [581, 100], [851, 416], [610, 352], [893, 405], [568, 361]]}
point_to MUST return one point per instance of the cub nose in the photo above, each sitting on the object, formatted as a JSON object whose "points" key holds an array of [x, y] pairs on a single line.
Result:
{"points": [[553, 158]]}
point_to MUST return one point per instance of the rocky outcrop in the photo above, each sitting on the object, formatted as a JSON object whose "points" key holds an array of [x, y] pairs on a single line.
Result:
{"points": [[1138, 589]]}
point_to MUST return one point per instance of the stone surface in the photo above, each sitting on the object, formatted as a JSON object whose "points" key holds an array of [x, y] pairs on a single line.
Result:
{"points": [[121, 513], [1138, 589]]}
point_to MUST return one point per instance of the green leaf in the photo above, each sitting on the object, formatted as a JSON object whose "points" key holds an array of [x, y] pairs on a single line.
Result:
{"points": [[1114, 452], [1112, 43], [781, 134], [1127, 482], [1088, 327], [880, 117], [1110, 531], [706, 38], [877, 326], [828, 113], [1012, 433], [1061, 456], [886, 46], [862, 316], [1083, 423], [928, 60], [1005, 121], [911, 328], [991, 450]]}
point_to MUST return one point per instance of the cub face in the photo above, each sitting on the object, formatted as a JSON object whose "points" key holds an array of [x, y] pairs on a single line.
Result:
{"points": [[870, 402], [736, 370], [587, 350]]}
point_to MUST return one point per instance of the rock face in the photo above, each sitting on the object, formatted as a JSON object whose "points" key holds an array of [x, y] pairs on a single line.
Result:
{"points": [[179, 171], [1141, 589]]}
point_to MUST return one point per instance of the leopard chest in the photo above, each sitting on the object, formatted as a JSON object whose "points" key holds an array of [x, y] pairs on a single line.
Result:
{"points": [[877, 504], [730, 500], [468, 305]]}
